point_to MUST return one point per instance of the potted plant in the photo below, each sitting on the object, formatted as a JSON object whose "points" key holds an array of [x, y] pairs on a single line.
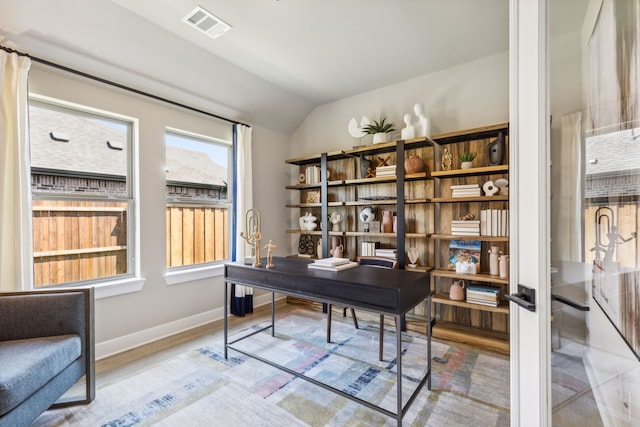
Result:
{"points": [[467, 160], [380, 130]]}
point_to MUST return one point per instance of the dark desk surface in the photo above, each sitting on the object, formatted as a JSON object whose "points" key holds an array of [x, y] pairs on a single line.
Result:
{"points": [[391, 291]]}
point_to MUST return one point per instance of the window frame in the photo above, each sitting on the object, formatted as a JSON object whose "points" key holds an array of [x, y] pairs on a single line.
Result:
{"points": [[187, 273], [131, 280]]}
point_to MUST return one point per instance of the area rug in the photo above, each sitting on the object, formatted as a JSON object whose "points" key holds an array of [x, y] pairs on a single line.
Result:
{"points": [[202, 388]]}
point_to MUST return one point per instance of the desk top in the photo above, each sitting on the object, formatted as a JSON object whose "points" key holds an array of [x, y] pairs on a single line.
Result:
{"points": [[390, 291]]}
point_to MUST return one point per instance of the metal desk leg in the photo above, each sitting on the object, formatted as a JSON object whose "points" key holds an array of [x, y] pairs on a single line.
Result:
{"points": [[429, 342], [399, 369], [225, 303], [273, 314]]}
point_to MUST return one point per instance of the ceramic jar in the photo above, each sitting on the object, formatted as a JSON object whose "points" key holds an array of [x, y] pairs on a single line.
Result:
{"points": [[456, 291], [413, 164], [504, 266], [494, 268], [387, 222]]}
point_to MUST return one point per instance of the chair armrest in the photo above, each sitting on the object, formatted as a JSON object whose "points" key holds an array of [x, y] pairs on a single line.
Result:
{"points": [[49, 313]]}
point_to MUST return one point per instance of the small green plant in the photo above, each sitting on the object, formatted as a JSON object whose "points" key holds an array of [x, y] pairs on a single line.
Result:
{"points": [[379, 127], [467, 157]]}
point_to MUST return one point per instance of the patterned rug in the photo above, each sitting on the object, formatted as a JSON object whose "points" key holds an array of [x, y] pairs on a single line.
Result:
{"points": [[201, 388]]}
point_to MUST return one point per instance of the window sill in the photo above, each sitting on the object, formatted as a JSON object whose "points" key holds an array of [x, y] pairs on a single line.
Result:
{"points": [[176, 277], [118, 287]]}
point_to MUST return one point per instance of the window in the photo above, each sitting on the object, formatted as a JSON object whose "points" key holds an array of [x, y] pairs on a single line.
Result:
{"points": [[82, 193], [198, 206]]}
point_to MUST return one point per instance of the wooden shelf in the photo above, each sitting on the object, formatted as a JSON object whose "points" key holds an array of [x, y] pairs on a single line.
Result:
{"points": [[392, 235], [366, 150], [471, 134], [483, 170], [316, 232], [442, 298], [481, 238], [312, 205], [419, 268], [496, 341], [371, 202], [477, 199], [386, 179], [384, 202], [312, 186], [480, 277]]}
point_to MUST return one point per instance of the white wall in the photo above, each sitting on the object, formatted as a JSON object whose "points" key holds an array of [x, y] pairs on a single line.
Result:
{"points": [[470, 95], [158, 310]]}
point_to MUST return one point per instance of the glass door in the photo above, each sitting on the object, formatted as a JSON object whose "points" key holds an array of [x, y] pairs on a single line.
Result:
{"points": [[594, 200]]}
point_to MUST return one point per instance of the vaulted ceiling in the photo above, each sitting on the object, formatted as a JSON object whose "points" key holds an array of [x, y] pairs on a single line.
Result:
{"points": [[280, 60]]}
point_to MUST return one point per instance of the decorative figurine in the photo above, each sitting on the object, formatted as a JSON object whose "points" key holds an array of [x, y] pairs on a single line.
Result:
{"points": [[269, 247], [409, 131], [367, 214], [496, 150], [447, 160], [424, 124], [253, 223], [366, 167], [490, 189], [335, 219], [412, 254]]}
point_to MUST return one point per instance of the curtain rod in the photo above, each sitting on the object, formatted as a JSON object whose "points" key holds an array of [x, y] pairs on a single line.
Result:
{"points": [[118, 85]]}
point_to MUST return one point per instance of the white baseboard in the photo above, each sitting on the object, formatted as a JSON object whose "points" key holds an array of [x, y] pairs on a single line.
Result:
{"points": [[131, 341]]}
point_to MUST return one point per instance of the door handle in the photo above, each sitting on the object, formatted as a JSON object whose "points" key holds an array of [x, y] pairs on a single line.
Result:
{"points": [[526, 297]]}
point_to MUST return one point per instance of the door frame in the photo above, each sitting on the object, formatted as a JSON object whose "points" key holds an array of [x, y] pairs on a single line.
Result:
{"points": [[529, 213]]}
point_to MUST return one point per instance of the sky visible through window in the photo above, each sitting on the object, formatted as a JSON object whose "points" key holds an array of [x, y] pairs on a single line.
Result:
{"points": [[217, 153]]}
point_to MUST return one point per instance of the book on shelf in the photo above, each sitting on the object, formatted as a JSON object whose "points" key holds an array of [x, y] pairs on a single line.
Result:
{"points": [[369, 248], [386, 170], [483, 302], [465, 232], [320, 266], [494, 222], [480, 288], [483, 296], [463, 251], [467, 222], [455, 194], [387, 253], [464, 186]]}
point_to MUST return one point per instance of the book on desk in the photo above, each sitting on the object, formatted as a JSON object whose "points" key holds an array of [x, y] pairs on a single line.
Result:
{"points": [[332, 264]]}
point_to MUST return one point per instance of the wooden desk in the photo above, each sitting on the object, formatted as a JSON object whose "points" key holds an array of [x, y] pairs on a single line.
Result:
{"points": [[391, 292]]}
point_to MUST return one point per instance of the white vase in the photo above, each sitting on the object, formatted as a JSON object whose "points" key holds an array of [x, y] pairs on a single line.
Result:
{"points": [[494, 266], [466, 165], [380, 137]]}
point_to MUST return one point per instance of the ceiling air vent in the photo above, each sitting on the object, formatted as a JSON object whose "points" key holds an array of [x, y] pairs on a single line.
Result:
{"points": [[206, 22]]}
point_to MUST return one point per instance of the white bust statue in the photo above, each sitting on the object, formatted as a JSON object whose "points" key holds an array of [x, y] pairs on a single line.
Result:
{"points": [[409, 131], [424, 124]]}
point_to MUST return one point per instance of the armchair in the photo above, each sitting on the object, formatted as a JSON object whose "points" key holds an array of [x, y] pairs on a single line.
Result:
{"points": [[46, 346]]}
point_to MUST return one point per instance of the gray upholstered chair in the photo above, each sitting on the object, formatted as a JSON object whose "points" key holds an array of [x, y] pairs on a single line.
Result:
{"points": [[46, 346], [372, 261]]}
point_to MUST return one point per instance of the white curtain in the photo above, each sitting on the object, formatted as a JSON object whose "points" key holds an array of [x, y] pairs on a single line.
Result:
{"points": [[242, 296], [568, 231], [16, 250]]}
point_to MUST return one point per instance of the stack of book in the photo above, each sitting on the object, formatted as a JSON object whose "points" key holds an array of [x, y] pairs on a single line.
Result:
{"points": [[483, 295], [494, 222], [387, 253], [465, 190], [312, 174], [368, 248], [386, 171], [465, 227], [332, 264]]}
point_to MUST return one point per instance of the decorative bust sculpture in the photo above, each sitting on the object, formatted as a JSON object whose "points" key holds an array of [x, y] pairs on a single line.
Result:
{"points": [[308, 222]]}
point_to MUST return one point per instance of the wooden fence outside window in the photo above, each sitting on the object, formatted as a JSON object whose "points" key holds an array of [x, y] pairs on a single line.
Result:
{"points": [[75, 241]]}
